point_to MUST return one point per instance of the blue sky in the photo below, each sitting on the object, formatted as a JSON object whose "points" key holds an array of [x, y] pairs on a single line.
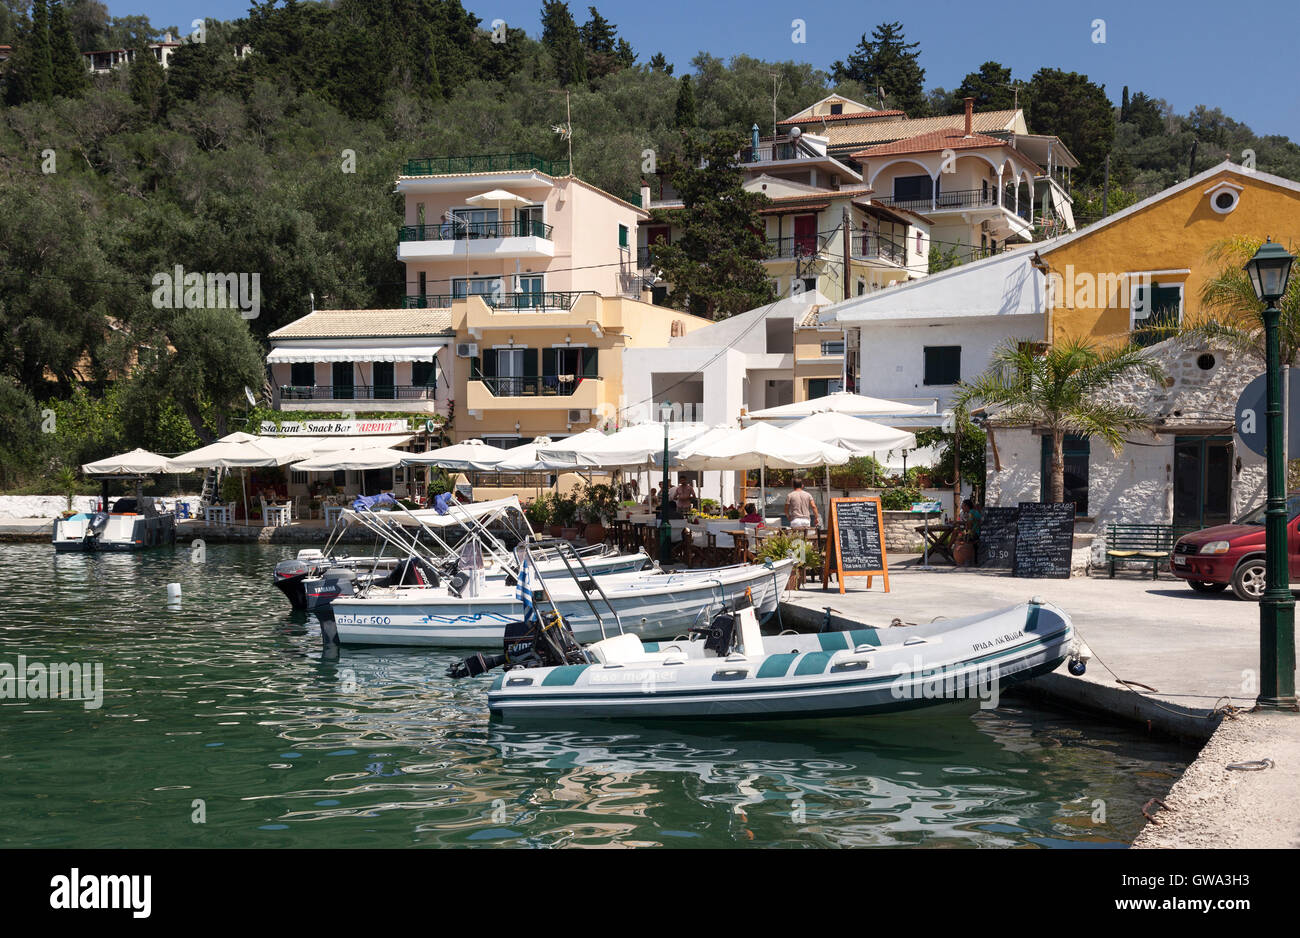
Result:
{"points": [[1238, 57]]}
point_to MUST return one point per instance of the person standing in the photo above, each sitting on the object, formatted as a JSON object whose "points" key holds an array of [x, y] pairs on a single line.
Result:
{"points": [[684, 495], [800, 508]]}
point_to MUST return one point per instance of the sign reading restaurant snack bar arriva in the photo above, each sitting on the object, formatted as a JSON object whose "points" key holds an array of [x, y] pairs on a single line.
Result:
{"points": [[340, 427]]}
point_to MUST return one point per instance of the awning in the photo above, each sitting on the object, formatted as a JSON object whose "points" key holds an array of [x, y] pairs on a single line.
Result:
{"points": [[409, 353], [882, 212], [316, 444]]}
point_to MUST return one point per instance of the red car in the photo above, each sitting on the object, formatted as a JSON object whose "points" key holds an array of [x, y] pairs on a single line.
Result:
{"points": [[1233, 554]]}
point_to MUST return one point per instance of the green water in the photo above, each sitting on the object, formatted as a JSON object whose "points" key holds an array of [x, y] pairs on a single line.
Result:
{"points": [[227, 699]]}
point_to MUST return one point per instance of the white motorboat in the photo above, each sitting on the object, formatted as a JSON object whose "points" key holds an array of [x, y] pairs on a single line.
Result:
{"points": [[648, 604], [730, 670], [129, 524]]}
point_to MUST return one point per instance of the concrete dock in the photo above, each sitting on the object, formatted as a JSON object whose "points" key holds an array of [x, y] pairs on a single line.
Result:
{"points": [[1191, 660]]}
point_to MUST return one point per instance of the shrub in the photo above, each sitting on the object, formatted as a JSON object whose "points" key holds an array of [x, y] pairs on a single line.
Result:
{"points": [[788, 545], [899, 498]]}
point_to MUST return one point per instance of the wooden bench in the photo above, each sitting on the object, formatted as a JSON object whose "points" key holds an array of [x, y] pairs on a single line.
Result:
{"points": [[1139, 543]]}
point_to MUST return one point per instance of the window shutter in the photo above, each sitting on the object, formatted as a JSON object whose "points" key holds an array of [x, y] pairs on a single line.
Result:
{"points": [[489, 363], [551, 362], [530, 363], [590, 360]]}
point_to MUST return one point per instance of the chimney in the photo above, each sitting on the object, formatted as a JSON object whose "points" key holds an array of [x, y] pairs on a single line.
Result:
{"points": [[970, 109], [645, 195]]}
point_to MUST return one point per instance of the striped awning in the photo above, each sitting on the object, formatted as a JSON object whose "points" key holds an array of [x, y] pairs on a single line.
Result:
{"points": [[409, 353]]}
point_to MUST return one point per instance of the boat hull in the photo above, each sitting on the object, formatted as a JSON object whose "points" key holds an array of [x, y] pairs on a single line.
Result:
{"points": [[651, 606], [117, 532], [805, 676]]}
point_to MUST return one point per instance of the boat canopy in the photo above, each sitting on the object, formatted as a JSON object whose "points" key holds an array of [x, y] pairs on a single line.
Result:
{"points": [[458, 515]]}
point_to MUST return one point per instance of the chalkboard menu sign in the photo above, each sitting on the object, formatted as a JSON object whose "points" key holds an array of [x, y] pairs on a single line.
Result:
{"points": [[1044, 539], [857, 536], [997, 544]]}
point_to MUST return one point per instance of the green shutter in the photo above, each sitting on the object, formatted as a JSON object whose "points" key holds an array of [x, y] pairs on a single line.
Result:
{"points": [[590, 359], [489, 363], [530, 363], [551, 363]]}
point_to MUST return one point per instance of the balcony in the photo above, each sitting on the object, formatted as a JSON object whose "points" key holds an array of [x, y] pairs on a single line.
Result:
{"points": [[459, 231], [533, 302], [356, 392], [520, 237], [959, 200], [794, 246], [544, 392], [484, 163], [875, 248]]}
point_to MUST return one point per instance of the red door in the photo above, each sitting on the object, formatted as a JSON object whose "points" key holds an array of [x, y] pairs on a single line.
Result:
{"points": [[805, 234]]}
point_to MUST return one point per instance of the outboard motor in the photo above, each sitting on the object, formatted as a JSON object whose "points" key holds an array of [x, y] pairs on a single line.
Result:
{"points": [[288, 578], [719, 635], [529, 643]]}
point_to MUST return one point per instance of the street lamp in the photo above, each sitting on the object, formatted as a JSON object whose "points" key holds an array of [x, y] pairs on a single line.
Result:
{"points": [[665, 529], [1269, 271]]}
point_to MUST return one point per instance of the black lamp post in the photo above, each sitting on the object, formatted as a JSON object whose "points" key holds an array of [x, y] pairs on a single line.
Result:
{"points": [[1269, 271], [665, 529]]}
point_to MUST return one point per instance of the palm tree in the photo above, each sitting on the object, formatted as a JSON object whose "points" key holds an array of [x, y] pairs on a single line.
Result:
{"points": [[1062, 390]]}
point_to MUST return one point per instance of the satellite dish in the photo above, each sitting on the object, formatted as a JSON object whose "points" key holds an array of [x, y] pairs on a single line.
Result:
{"points": [[252, 401], [795, 133]]}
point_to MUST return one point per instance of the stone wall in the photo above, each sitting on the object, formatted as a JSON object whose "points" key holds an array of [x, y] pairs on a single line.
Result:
{"points": [[52, 506], [1137, 485]]}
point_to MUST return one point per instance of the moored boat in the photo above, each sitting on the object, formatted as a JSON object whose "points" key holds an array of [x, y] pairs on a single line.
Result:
{"points": [[730, 670], [130, 524]]}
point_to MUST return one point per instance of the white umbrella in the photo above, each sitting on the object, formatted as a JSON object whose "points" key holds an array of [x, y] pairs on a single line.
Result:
{"points": [[500, 198], [858, 436], [373, 457], [842, 402], [757, 447], [459, 457], [630, 447], [526, 458], [241, 450], [136, 462]]}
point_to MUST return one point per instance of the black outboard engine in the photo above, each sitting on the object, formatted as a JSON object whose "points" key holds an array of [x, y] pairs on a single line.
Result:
{"points": [[529, 643], [719, 635], [289, 576]]}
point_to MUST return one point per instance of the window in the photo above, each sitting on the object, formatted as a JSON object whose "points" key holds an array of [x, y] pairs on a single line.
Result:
{"points": [[837, 108], [385, 380], [1155, 307], [424, 374], [833, 349], [341, 378], [1075, 452], [486, 287], [528, 222], [820, 387], [424, 283], [302, 374], [913, 189], [622, 236], [942, 364]]}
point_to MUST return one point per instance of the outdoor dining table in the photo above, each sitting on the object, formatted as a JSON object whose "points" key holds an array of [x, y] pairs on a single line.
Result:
{"points": [[939, 538], [215, 513], [277, 515], [332, 514]]}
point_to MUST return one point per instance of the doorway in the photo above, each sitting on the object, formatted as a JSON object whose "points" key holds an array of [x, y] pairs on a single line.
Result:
{"points": [[1202, 481]]}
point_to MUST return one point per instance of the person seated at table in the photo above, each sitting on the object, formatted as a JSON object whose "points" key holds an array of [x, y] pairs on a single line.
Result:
{"points": [[968, 519], [751, 515], [800, 507]]}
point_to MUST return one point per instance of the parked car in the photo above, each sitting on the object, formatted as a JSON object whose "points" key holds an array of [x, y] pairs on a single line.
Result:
{"points": [[1226, 555]]}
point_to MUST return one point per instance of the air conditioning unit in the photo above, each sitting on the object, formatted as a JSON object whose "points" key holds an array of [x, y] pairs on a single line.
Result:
{"points": [[579, 416], [466, 349]]}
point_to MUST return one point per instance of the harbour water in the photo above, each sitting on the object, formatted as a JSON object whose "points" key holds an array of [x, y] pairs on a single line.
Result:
{"points": [[225, 724]]}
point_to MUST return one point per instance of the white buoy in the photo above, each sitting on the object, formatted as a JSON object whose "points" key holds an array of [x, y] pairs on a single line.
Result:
{"points": [[173, 592]]}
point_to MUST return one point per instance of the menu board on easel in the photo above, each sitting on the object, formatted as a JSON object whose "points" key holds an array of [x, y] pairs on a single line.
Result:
{"points": [[1044, 539], [997, 537], [857, 535]]}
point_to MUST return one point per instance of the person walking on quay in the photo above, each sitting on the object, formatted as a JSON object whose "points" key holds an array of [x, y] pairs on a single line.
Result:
{"points": [[800, 508]]}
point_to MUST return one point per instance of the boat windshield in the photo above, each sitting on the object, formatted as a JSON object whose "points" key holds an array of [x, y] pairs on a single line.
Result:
{"points": [[1256, 515]]}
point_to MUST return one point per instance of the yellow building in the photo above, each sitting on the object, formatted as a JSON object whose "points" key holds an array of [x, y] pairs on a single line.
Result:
{"points": [[1149, 263], [523, 373]]}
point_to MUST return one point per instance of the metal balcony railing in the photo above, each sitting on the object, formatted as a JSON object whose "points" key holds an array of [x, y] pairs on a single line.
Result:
{"points": [[356, 392], [535, 386], [874, 247], [769, 151], [794, 246], [483, 163], [476, 231], [517, 301]]}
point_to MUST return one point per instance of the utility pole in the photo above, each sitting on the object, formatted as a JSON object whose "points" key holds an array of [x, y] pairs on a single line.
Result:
{"points": [[848, 235]]}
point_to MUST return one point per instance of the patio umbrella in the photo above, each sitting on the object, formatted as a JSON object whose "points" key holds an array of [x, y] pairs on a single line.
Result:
{"points": [[841, 402], [459, 457], [499, 198], [240, 451], [860, 437], [630, 447], [373, 457], [136, 462], [526, 458], [759, 446]]}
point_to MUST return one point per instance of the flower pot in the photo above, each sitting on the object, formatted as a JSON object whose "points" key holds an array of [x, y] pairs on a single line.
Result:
{"points": [[569, 534], [557, 530], [963, 553], [595, 533]]}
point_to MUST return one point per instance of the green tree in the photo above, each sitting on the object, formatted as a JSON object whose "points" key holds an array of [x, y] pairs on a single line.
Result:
{"points": [[148, 82], [563, 40], [1075, 109], [970, 443], [67, 67], [991, 87], [31, 69], [1063, 390], [715, 267], [660, 64], [684, 114], [889, 63]]}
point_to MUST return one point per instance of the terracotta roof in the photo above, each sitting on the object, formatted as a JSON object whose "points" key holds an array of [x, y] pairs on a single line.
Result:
{"points": [[865, 133], [818, 118], [366, 323], [939, 141], [795, 206], [810, 317]]}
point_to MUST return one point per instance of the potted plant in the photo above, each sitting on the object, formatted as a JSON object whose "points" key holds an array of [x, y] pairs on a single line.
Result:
{"points": [[539, 512], [565, 517], [599, 505], [779, 546]]}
